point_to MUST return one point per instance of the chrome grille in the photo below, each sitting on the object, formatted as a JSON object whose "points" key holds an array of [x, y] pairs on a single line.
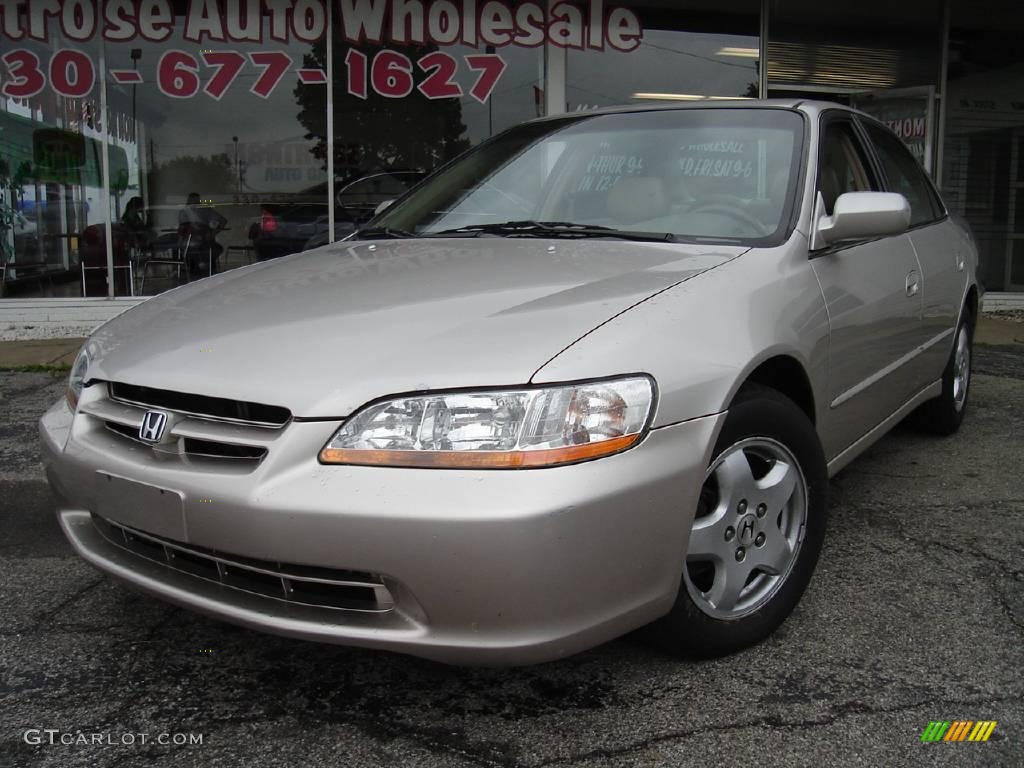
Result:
{"points": [[217, 450], [194, 447], [202, 406], [125, 430], [234, 446], [300, 584]]}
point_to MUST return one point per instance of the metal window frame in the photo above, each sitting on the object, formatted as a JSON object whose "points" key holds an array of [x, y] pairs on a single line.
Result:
{"points": [[108, 225]]}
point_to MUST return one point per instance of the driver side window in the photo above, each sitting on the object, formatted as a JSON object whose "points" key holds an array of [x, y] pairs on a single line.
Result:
{"points": [[843, 165]]}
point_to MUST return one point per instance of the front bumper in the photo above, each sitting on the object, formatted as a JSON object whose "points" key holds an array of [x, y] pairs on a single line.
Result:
{"points": [[484, 567]]}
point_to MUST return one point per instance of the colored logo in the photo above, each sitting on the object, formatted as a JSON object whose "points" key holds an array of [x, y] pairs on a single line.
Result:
{"points": [[958, 730]]}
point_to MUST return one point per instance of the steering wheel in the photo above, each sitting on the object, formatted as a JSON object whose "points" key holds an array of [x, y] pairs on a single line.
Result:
{"points": [[738, 214]]}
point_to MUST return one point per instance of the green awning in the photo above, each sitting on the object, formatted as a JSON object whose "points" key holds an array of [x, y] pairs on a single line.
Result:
{"points": [[36, 153]]}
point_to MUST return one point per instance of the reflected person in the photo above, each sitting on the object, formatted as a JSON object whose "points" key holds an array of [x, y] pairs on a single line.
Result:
{"points": [[198, 227]]}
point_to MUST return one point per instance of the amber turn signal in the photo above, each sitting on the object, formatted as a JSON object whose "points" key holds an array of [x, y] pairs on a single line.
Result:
{"points": [[548, 457]]}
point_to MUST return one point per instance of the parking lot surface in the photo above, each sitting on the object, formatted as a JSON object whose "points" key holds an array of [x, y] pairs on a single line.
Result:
{"points": [[916, 613]]}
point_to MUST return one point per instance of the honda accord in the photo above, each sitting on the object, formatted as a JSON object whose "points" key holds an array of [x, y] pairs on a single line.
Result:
{"points": [[592, 375]]}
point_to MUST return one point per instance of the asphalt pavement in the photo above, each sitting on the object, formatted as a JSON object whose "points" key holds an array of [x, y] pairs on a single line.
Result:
{"points": [[915, 614]]}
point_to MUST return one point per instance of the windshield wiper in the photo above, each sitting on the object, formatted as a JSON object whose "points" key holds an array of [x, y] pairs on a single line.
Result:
{"points": [[529, 228], [381, 233]]}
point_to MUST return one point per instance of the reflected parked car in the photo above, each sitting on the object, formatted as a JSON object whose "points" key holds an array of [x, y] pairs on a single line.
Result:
{"points": [[594, 374], [302, 223]]}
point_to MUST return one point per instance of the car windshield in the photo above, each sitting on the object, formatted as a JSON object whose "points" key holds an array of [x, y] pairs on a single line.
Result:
{"points": [[699, 174]]}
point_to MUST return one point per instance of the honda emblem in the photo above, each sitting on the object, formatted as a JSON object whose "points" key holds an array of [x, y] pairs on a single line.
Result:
{"points": [[152, 428]]}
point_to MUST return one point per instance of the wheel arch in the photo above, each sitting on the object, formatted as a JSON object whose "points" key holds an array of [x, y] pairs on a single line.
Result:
{"points": [[971, 301], [785, 374]]}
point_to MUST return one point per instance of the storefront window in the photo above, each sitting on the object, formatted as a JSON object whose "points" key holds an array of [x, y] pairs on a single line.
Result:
{"points": [[207, 140], [219, 143], [418, 85], [983, 161], [667, 51], [230, 136], [51, 187], [880, 57], [823, 48]]}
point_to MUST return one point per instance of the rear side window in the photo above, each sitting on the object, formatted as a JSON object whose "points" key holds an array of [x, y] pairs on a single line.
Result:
{"points": [[843, 165], [905, 176]]}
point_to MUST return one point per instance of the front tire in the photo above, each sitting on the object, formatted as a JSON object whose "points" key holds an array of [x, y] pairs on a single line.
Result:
{"points": [[757, 532]]}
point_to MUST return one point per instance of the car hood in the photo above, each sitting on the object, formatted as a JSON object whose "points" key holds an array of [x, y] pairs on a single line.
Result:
{"points": [[323, 332]]}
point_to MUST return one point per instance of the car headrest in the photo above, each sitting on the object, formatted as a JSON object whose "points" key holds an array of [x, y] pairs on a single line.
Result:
{"points": [[638, 198]]}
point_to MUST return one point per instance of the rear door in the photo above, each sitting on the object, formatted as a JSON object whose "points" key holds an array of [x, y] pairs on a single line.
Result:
{"points": [[936, 241], [872, 294]]}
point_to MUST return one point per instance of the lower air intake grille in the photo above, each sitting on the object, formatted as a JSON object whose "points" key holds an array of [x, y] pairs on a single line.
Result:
{"points": [[302, 584]]}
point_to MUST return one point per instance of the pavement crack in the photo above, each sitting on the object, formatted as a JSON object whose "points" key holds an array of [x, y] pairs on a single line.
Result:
{"points": [[1007, 610], [896, 475], [136, 758], [839, 713], [11, 394], [47, 616], [886, 519], [1001, 567]]}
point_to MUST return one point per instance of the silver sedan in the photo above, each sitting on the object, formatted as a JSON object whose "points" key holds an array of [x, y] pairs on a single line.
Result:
{"points": [[591, 375]]}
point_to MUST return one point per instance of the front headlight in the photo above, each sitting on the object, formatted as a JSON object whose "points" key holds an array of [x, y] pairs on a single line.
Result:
{"points": [[509, 429], [76, 380]]}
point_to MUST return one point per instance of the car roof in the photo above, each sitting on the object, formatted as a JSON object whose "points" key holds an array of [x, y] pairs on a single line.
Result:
{"points": [[810, 106]]}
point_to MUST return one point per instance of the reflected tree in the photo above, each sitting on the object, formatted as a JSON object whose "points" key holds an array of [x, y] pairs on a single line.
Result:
{"points": [[206, 175], [378, 133]]}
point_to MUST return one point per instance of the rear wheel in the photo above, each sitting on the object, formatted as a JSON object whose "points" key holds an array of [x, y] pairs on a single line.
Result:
{"points": [[757, 532], [944, 414]]}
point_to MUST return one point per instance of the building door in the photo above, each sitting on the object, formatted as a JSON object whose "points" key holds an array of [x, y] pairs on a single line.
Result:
{"points": [[1015, 215]]}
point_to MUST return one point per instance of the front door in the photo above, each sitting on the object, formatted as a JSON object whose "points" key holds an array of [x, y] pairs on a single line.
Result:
{"points": [[938, 245], [872, 292]]}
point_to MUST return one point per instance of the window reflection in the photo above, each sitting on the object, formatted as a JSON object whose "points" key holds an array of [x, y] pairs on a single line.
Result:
{"points": [[219, 151], [822, 49], [688, 51], [217, 137], [983, 164], [400, 111], [50, 172]]}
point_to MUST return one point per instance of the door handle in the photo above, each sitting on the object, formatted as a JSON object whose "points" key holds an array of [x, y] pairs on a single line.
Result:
{"points": [[913, 283]]}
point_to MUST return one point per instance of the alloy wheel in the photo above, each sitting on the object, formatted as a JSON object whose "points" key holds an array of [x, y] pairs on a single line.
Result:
{"points": [[748, 530], [961, 369]]}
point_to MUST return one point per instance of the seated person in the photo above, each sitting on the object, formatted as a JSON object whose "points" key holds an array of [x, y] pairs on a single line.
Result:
{"points": [[198, 227], [134, 221]]}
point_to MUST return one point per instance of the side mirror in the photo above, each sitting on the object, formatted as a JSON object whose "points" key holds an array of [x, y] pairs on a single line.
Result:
{"points": [[860, 215], [381, 207]]}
